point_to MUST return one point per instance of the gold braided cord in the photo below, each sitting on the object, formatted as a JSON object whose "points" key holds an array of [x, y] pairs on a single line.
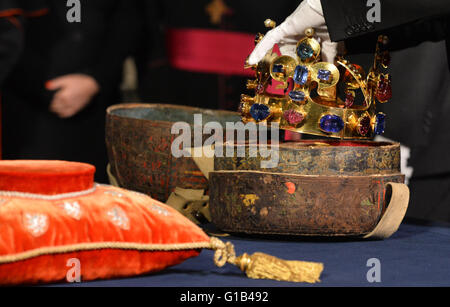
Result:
{"points": [[224, 252], [48, 197], [101, 245], [263, 266], [257, 266]]}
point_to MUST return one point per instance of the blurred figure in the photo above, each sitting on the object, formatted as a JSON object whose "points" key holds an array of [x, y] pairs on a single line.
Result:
{"points": [[193, 52], [12, 13], [68, 73]]}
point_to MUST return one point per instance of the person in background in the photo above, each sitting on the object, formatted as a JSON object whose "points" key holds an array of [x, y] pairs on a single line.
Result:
{"points": [[419, 35], [193, 52], [67, 74], [12, 13]]}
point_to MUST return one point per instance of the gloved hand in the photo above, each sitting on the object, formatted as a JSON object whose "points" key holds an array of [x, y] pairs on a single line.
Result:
{"points": [[309, 14]]}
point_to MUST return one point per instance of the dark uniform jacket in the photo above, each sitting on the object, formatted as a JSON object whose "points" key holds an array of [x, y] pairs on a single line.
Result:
{"points": [[162, 81], [419, 111], [12, 14], [54, 47]]}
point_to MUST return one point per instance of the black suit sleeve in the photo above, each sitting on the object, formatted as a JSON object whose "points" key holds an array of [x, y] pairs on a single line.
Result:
{"points": [[12, 13], [123, 26], [348, 18], [11, 43]]}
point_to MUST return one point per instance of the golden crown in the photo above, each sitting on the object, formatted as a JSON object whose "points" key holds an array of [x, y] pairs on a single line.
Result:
{"points": [[314, 101]]}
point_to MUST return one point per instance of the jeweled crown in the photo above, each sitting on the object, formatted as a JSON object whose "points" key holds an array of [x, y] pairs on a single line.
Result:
{"points": [[319, 97]]}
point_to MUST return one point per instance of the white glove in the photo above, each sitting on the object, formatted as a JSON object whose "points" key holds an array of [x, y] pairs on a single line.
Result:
{"points": [[309, 14]]}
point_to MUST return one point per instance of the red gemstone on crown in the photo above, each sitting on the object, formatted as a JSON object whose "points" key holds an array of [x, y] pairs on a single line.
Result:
{"points": [[349, 100], [293, 117], [364, 125], [384, 90], [357, 69]]}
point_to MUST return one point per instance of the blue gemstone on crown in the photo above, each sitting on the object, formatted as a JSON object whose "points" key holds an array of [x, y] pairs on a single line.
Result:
{"points": [[380, 123], [297, 95], [301, 75], [304, 51], [277, 68], [323, 74], [331, 123], [259, 111]]}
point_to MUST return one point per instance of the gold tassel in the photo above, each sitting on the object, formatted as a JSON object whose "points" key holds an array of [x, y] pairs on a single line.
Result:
{"points": [[263, 266]]}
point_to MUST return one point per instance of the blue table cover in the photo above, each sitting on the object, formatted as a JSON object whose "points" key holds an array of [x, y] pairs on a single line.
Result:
{"points": [[418, 254]]}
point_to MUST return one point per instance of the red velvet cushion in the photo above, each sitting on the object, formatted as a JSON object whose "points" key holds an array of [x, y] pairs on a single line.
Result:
{"points": [[112, 232], [45, 177]]}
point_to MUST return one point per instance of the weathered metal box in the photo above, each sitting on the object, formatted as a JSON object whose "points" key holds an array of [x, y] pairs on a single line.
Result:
{"points": [[318, 188], [139, 139]]}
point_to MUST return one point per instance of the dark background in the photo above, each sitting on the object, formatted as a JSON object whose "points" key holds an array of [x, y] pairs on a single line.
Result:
{"points": [[35, 49]]}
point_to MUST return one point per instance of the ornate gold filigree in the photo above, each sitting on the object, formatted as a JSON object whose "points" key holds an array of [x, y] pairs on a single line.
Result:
{"points": [[311, 103]]}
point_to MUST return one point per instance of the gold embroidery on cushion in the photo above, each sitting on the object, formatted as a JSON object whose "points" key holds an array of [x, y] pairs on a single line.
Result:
{"points": [[119, 218], [160, 210], [72, 209], [114, 193], [36, 224]]}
